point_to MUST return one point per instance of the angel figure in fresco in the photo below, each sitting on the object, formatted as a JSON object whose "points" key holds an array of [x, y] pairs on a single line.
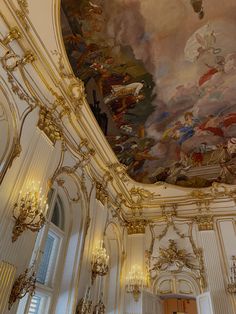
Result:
{"points": [[202, 47], [200, 44], [212, 125], [212, 70], [183, 131], [228, 165], [229, 119], [202, 153], [206, 43], [172, 131]]}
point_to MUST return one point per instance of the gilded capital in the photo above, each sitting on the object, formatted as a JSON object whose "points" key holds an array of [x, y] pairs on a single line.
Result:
{"points": [[136, 226], [204, 222]]}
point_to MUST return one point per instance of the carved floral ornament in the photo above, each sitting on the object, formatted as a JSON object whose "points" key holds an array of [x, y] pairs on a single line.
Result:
{"points": [[138, 195], [204, 222], [173, 258], [216, 191], [48, 125], [137, 226], [11, 60], [13, 34], [101, 193], [22, 13]]}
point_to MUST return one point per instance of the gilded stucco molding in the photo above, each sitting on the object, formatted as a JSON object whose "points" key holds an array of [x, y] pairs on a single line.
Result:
{"points": [[85, 150], [17, 149], [138, 195], [120, 170], [175, 260], [169, 210], [13, 34], [48, 125], [22, 13], [137, 226], [101, 193], [204, 222], [11, 61], [74, 199], [215, 192], [134, 200], [61, 66], [170, 222], [102, 188], [75, 87]]}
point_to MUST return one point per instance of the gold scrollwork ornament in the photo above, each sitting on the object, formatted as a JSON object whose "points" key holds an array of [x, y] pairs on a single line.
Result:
{"points": [[13, 34]]}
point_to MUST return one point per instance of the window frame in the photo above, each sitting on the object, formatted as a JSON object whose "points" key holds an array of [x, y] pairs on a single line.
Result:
{"points": [[49, 290]]}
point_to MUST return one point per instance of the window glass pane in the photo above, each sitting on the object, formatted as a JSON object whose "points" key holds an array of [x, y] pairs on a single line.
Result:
{"points": [[39, 304], [43, 267], [58, 214], [34, 305]]}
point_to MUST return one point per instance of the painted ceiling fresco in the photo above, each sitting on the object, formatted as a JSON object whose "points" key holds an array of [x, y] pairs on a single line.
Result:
{"points": [[161, 77]]}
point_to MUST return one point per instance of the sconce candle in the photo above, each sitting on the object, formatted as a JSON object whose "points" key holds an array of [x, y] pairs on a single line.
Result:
{"points": [[100, 261], [29, 211], [135, 282]]}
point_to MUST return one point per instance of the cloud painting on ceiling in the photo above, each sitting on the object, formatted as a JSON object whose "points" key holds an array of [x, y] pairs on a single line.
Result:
{"points": [[161, 81]]}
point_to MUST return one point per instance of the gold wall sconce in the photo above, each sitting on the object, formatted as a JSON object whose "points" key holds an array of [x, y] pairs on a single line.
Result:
{"points": [[100, 307], [85, 304], [135, 282], [100, 261], [29, 211], [232, 278], [25, 283]]}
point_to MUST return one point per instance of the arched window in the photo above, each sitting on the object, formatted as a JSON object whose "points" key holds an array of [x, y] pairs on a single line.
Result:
{"points": [[48, 254]]}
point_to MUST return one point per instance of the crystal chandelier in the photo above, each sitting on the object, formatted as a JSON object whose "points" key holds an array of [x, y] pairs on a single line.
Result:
{"points": [[100, 261], [29, 211], [135, 281], [232, 284]]}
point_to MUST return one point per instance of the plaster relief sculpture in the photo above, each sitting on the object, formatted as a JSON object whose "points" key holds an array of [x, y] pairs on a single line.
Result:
{"points": [[173, 258]]}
